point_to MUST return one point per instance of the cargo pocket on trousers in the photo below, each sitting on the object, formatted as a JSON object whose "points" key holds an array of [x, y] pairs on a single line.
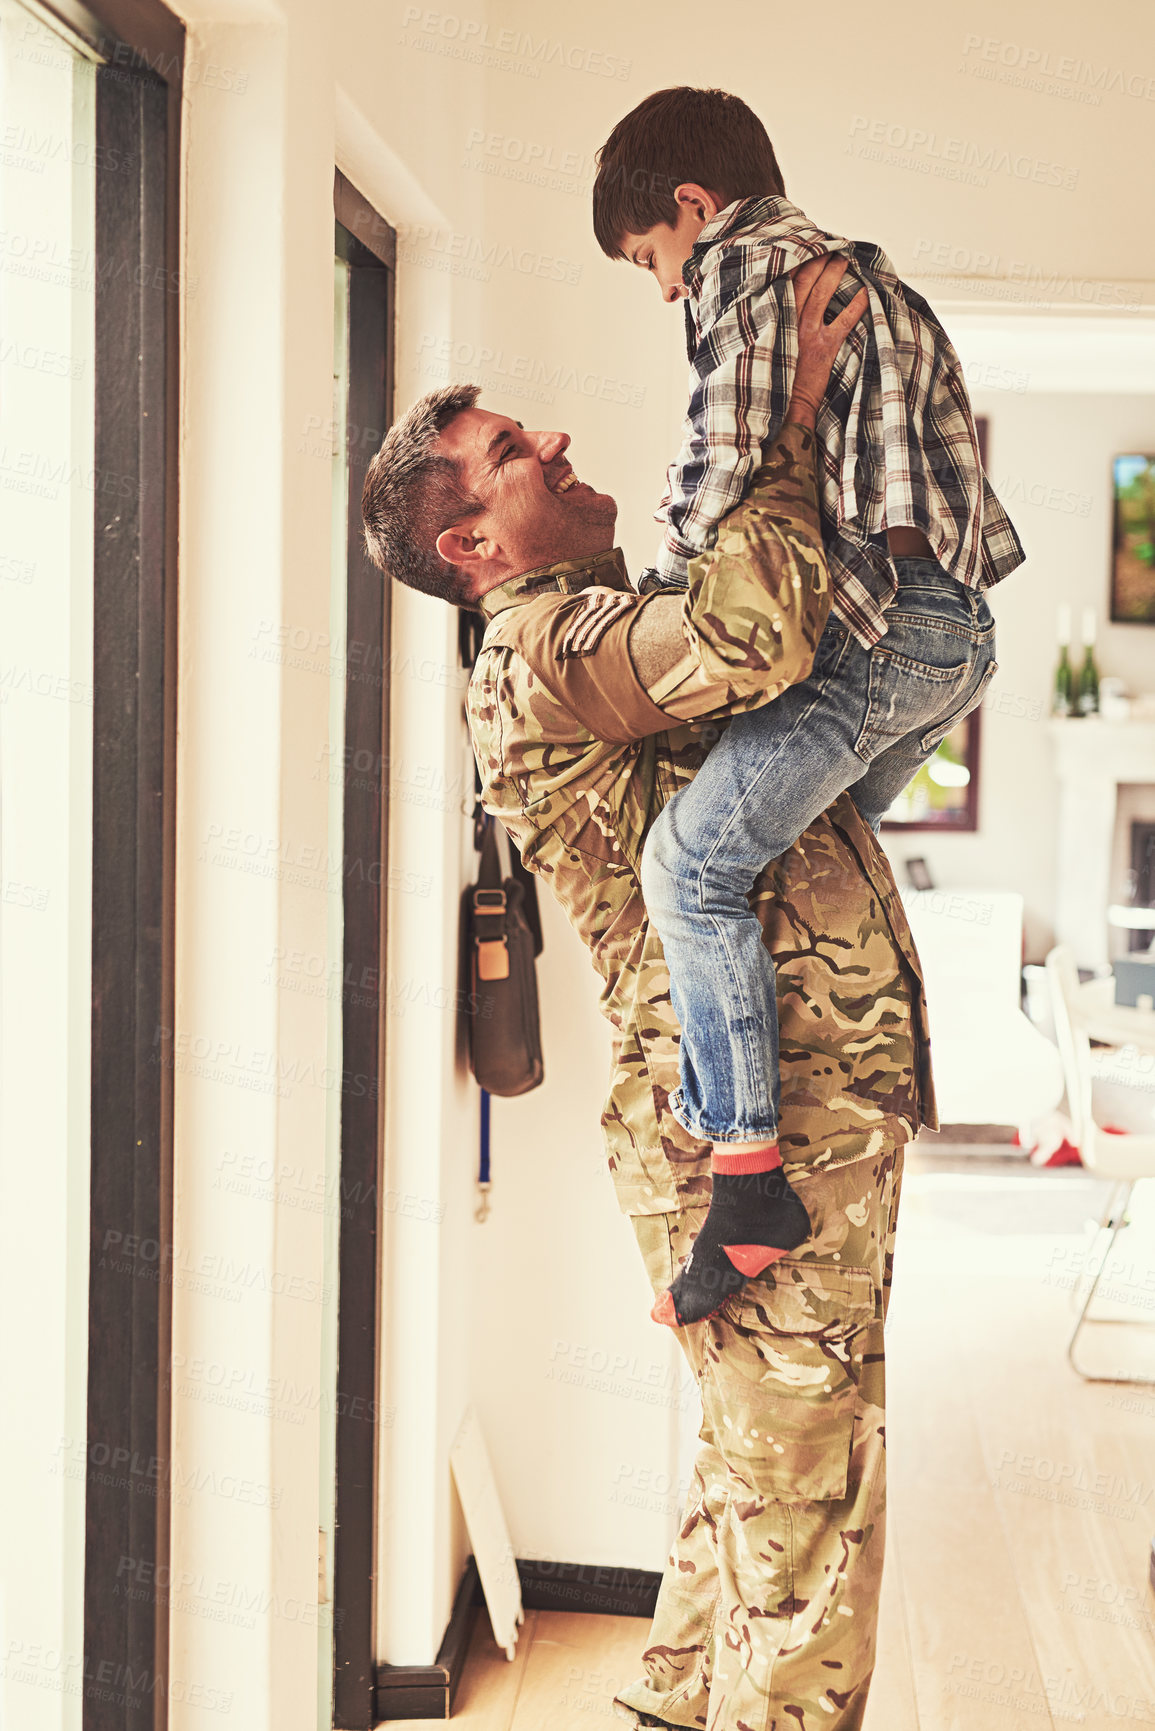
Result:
{"points": [[780, 1379]]}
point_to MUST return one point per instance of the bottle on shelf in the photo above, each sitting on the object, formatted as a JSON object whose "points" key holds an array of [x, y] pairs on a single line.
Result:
{"points": [[1063, 701], [1088, 698]]}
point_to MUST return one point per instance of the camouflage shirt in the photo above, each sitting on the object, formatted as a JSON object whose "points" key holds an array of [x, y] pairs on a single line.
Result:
{"points": [[587, 711]]}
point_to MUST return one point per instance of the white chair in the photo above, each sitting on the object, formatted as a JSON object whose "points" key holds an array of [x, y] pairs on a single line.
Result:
{"points": [[991, 1065], [1122, 1159]]}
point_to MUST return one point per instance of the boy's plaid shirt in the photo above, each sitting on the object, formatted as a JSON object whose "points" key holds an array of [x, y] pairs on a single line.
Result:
{"points": [[895, 430]]}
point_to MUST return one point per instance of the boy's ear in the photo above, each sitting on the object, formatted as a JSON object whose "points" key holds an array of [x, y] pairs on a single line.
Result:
{"points": [[697, 200]]}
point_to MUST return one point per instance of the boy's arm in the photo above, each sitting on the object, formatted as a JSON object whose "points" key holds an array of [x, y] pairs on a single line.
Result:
{"points": [[742, 366]]}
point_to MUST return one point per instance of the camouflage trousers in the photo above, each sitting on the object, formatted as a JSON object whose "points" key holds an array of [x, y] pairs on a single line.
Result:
{"points": [[768, 1610]]}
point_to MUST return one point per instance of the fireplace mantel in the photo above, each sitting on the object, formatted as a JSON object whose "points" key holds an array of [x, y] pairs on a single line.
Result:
{"points": [[1093, 757]]}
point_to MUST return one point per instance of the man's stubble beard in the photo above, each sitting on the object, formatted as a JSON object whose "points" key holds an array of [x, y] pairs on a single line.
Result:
{"points": [[580, 530]]}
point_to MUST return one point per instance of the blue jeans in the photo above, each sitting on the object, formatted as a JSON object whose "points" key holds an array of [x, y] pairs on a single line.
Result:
{"points": [[864, 721]]}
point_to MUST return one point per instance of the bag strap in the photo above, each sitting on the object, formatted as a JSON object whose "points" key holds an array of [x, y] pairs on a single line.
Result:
{"points": [[489, 906], [529, 903]]}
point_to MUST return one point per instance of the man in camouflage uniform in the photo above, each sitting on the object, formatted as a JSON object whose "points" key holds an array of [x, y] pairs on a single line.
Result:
{"points": [[589, 707]]}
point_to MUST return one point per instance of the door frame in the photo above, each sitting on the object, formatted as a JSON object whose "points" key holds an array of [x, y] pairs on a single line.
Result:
{"points": [[368, 245]]}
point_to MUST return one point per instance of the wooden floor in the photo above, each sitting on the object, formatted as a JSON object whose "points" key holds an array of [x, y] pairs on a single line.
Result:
{"points": [[1022, 1499]]}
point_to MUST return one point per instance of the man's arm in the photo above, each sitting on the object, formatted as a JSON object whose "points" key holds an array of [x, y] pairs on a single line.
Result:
{"points": [[756, 606], [622, 666]]}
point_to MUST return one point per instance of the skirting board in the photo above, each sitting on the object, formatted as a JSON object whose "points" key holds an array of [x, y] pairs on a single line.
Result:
{"points": [[588, 1587], [428, 1691]]}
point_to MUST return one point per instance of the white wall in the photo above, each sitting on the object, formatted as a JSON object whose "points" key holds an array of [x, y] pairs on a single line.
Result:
{"points": [[263, 130], [248, 1100], [579, 1393], [420, 108]]}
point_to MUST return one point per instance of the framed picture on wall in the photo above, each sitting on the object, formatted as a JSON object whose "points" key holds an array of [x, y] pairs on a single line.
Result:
{"points": [[1133, 543], [944, 795]]}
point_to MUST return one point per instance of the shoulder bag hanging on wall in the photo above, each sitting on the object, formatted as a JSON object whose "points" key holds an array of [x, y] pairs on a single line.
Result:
{"points": [[502, 1011]]}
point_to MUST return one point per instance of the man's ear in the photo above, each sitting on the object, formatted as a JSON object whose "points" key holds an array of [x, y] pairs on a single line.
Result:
{"points": [[695, 198], [469, 552]]}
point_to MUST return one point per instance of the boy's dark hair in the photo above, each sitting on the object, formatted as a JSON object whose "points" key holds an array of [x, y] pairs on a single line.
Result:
{"points": [[704, 136]]}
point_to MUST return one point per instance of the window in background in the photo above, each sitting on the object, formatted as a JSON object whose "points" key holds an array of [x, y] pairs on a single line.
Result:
{"points": [[88, 311], [47, 422]]}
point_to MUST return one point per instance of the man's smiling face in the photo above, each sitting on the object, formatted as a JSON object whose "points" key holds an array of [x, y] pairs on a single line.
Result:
{"points": [[534, 510]]}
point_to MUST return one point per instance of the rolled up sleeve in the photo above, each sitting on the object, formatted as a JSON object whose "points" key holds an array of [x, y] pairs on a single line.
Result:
{"points": [[758, 602], [623, 666]]}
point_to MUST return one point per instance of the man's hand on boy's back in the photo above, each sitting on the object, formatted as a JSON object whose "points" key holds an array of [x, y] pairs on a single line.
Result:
{"points": [[818, 342]]}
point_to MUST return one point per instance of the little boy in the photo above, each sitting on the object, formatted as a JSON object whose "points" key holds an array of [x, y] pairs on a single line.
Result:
{"points": [[688, 188]]}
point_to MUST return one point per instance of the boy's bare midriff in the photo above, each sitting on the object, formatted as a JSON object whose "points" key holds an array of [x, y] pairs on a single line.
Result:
{"points": [[908, 544]]}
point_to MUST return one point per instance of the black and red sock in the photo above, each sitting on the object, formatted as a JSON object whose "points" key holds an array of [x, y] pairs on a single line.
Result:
{"points": [[754, 1218]]}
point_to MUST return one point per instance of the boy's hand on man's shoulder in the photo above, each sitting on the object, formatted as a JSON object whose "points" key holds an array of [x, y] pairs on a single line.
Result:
{"points": [[818, 342]]}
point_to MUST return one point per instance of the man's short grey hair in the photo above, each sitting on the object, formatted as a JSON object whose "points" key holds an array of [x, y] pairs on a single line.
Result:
{"points": [[412, 492]]}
